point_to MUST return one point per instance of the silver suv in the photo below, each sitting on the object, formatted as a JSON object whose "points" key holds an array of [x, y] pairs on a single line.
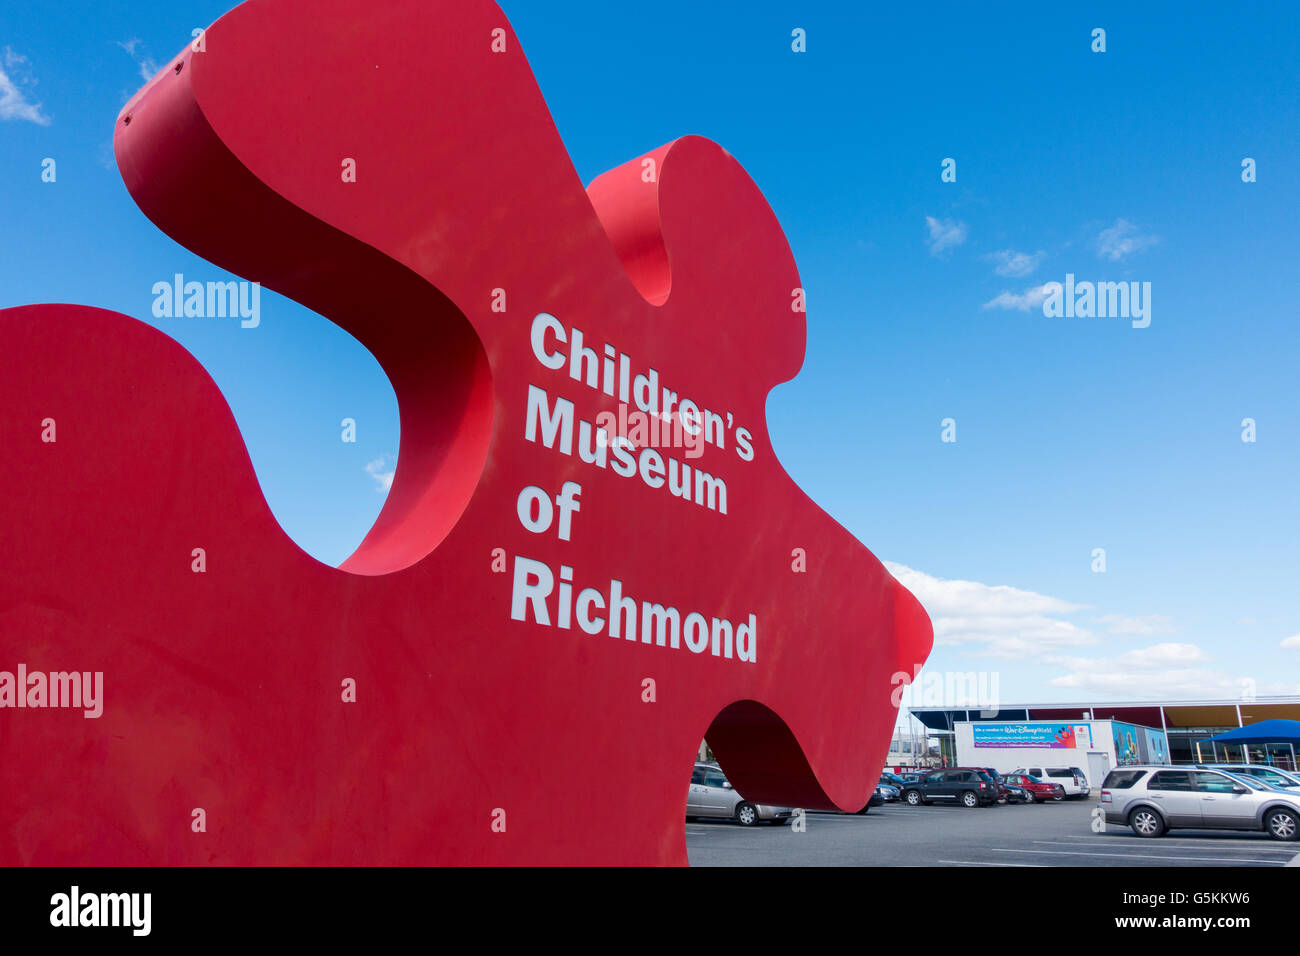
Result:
{"points": [[1154, 799], [712, 795]]}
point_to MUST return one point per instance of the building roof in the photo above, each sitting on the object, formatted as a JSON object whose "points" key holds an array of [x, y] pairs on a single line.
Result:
{"points": [[1174, 714]]}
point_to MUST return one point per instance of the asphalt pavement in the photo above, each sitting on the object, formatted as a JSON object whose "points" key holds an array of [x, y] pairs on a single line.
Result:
{"points": [[1049, 834]]}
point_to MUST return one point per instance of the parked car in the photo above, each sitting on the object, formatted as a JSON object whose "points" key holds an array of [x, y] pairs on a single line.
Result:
{"points": [[1265, 774], [1003, 793], [892, 779], [1072, 780], [1035, 790], [1155, 799], [884, 793], [969, 786], [712, 795], [1016, 794]]}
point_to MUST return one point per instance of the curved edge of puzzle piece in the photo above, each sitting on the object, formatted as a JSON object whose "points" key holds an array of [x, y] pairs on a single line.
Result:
{"points": [[182, 176], [672, 216]]}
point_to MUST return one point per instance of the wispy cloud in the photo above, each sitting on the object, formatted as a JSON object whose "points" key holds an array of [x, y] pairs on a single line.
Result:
{"points": [[993, 620], [1161, 670], [14, 102], [1122, 239], [1031, 298], [944, 234], [148, 66], [1142, 625], [382, 470], [1015, 265], [1003, 622]]}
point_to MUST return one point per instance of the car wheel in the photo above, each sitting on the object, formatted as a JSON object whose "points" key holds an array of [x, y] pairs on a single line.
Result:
{"points": [[1029, 797], [1282, 825], [1146, 822], [970, 799], [746, 813], [1059, 799], [913, 798]]}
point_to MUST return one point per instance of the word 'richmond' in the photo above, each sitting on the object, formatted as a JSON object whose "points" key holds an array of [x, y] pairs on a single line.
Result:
{"points": [[534, 584]]}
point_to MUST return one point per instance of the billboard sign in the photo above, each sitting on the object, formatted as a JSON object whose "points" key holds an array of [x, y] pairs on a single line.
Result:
{"points": [[1155, 746], [1054, 736], [1128, 743]]}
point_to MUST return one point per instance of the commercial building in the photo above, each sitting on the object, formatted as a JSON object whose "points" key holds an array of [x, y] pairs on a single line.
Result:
{"points": [[1093, 746], [1187, 725]]}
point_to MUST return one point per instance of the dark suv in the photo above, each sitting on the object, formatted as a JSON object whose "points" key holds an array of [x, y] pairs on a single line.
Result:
{"points": [[968, 786]]}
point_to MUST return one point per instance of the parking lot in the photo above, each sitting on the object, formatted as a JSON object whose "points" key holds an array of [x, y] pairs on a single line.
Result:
{"points": [[1051, 834]]}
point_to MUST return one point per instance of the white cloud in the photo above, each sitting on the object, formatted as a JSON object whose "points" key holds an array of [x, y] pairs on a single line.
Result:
{"points": [[1002, 622], [1162, 670], [1164, 655], [944, 234], [14, 104], [148, 66], [380, 470], [1122, 239], [993, 620], [1015, 265], [1031, 298], [1141, 625]]}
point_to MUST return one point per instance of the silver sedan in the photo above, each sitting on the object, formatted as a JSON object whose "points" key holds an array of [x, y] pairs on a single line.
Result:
{"points": [[712, 795]]}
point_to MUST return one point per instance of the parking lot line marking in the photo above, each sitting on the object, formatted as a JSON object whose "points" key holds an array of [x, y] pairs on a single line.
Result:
{"points": [[982, 863], [1122, 832], [1132, 841], [1143, 856]]}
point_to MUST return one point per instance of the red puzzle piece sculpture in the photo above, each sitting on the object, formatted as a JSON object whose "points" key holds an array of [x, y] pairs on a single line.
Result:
{"points": [[488, 683]]}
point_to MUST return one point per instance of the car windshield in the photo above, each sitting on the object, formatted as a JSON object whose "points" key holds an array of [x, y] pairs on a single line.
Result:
{"points": [[1247, 780], [1273, 777], [1257, 780]]}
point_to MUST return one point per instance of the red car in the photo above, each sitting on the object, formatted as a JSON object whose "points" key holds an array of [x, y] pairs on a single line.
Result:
{"points": [[1035, 789]]}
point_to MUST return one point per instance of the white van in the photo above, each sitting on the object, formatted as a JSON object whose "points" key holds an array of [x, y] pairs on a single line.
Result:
{"points": [[1073, 780]]}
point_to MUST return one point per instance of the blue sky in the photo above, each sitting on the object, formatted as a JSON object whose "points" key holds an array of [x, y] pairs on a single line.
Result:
{"points": [[1072, 434]]}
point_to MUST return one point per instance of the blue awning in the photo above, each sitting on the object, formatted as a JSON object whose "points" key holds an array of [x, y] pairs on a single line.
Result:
{"points": [[1275, 731]]}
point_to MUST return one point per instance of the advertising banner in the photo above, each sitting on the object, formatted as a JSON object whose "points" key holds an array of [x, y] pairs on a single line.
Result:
{"points": [[1126, 743], [1157, 747], [1056, 736]]}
